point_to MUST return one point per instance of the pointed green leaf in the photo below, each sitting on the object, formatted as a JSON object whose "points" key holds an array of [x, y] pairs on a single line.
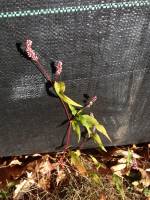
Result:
{"points": [[75, 157], [129, 157], [97, 163], [87, 119], [60, 89], [146, 192], [76, 128], [83, 119], [94, 160], [98, 140], [118, 182], [69, 101], [73, 109], [77, 162], [102, 129], [93, 122], [94, 177]]}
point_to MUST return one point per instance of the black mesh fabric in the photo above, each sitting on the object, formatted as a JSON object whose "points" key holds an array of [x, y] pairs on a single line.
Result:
{"points": [[105, 49]]}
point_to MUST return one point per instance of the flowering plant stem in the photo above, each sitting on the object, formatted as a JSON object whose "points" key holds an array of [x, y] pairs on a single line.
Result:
{"points": [[68, 132], [73, 111], [47, 76]]}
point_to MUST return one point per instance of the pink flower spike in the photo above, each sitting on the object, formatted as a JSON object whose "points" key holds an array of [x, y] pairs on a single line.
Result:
{"points": [[30, 52], [90, 103], [58, 68], [94, 99]]}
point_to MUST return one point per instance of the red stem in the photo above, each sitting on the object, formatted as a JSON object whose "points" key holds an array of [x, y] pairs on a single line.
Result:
{"points": [[68, 135], [65, 109], [47, 76], [43, 71]]}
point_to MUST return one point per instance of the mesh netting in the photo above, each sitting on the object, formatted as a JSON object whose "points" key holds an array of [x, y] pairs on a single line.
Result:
{"points": [[105, 49]]}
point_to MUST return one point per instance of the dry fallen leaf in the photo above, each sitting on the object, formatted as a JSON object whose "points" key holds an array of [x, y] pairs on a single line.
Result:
{"points": [[102, 196], [23, 187], [118, 167], [10, 173], [135, 183], [42, 172], [145, 180], [36, 155], [15, 162], [134, 147], [60, 176], [77, 162], [122, 161], [81, 169], [147, 170], [124, 153]]}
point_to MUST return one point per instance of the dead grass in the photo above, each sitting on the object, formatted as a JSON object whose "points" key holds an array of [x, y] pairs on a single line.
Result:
{"points": [[81, 188], [75, 185]]}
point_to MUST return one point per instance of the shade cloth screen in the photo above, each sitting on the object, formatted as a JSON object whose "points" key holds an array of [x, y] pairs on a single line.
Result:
{"points": [[105, 49]]}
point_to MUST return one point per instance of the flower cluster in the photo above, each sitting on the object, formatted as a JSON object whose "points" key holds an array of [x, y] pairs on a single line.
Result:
{"points": [[58, 69], [92, 100], [30, 52]]}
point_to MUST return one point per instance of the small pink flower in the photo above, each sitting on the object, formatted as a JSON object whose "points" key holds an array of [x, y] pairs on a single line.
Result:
{"points": [[90, 103], [30, 52], [58, 69]]}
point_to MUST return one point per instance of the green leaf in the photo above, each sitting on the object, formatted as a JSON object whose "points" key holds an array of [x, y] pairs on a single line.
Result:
{"points": [[60, 89], [119, 185], [96, 163], [69, 101], [146, 192], [73, 109], [76, 161], [3, 194], [98, 141], [94, 177], [129, 158], [102, 130], [75, 157], [76, 128], [84, 120], [94, 160], [92, 122]]}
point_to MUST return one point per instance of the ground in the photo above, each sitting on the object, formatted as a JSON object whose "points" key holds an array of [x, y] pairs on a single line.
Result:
{"points": [[119, 173]]}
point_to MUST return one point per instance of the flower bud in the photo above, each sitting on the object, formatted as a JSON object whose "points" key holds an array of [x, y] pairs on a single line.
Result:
{"points": [[90, 103], [30, 52], [58, 69]]}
